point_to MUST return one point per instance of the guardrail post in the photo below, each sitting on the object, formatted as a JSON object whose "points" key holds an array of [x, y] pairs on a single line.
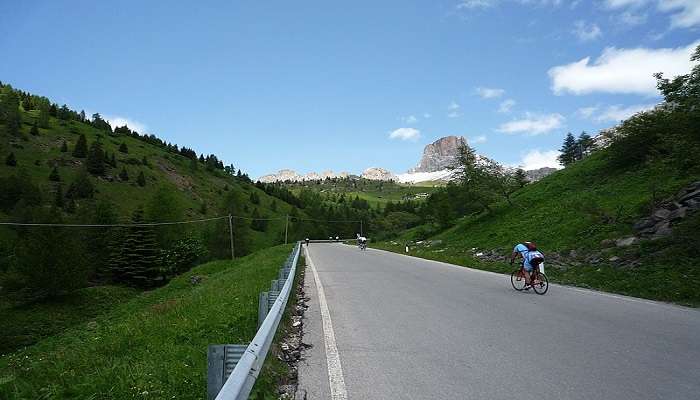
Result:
{"points": [[262, 307], [221, 360]]}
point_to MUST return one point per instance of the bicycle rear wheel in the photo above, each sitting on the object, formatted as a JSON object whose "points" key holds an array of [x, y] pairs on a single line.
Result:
{"points": [[517, 280], [542, 284]]}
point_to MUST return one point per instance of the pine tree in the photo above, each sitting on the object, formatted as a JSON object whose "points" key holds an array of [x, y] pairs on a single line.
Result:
{"points": [[568, 150], [64, 147], [123, 148], [81, 150], [9, 111], [54, 176], [58, 197], [70, 206], [11, 160], [34, 131], [136, 261], [258, 223], [124, 175], [584, 145], [141, 179], [112, 161], [95, 163], [81, 187], [520, 177]]}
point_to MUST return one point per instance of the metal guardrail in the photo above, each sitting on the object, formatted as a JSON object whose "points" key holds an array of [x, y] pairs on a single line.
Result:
{"points": [[241, 381]]}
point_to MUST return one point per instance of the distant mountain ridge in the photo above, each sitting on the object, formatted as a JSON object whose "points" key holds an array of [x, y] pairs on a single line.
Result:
{"points": [[434, 165]]}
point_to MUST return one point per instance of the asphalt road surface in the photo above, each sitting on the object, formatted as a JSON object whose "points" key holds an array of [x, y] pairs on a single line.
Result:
{"points": [[406, 328]]}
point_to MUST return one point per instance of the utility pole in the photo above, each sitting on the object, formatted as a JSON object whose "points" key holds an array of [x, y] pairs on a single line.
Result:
{"points": [[230, 232], [361, 233], [286, 229]]}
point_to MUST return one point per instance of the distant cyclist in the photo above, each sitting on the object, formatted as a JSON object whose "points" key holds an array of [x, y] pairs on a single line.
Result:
{"points": [[532, 258], [307, 242], [361, 242]]}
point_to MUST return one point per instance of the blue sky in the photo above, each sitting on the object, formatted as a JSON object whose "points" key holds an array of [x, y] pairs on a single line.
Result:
{"points": [[345, 86]]}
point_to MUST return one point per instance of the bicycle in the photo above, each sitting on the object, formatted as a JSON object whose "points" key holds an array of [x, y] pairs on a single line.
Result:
{"points": [[363, 245], [538, 280]]}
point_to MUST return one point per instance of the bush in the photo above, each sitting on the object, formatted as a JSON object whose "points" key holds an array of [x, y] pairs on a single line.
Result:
{"points": [[182, 256]]}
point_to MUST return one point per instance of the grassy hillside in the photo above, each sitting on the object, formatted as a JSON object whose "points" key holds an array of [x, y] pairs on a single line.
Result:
{"points": [[152, 346], [198, 191]]}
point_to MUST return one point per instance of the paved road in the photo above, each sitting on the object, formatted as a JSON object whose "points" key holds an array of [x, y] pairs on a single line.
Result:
{"points": [[407, 328]]}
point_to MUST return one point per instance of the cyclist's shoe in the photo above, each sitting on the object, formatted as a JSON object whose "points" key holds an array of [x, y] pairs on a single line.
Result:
{"points": [[527, 287]]}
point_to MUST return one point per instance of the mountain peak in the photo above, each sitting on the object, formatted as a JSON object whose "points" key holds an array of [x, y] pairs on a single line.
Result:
{"points": [[439, 155]]}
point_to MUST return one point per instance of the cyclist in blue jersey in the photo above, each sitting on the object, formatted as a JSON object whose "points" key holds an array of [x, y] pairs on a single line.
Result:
{"points": [[532, 258]]}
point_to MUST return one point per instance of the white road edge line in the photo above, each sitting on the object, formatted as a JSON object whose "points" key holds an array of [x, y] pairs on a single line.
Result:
{"points": [[335, 371]]}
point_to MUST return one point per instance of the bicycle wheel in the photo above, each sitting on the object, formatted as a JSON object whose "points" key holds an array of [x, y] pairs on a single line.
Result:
{"points": [[517, 280], [542, 284]]}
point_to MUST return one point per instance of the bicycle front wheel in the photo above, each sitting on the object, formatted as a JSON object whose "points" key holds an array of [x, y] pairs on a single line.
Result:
{"points": [[541, 284], [517, 279]]}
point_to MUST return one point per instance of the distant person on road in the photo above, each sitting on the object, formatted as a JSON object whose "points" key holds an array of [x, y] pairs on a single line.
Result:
{"points": [[307, 242], [532, 258], [361, 242]]}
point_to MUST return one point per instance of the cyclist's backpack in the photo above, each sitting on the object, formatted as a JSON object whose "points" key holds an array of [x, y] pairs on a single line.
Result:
{"points": [[535, 257]]}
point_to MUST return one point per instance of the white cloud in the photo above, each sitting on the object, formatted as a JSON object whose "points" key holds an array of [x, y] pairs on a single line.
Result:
{"points": [[477, 139], [405, 134], [482, 4], [506, 106], [618, 113], [632, 19], [117, 121], [535, 159], [586, 112], [533, 124], [472, 4], [426, 115], [614, 113], [614, 4], [621, 70], [489, 93], [453, 110], [687, 12], [586, 32], [411, 119]]}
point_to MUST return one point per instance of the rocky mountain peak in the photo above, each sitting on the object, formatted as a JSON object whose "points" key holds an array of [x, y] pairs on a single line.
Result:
{"points": [[439, 155], [378, 174]]}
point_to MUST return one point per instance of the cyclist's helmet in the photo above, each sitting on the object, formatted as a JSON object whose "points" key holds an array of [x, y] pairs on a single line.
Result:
{"points": [[531, 246]]}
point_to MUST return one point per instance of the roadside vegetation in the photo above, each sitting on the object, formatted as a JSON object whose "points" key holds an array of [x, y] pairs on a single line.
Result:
{"points": [[152, 346]]}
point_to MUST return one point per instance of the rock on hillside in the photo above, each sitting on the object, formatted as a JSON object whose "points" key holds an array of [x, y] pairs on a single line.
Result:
{"points": [[439, 155], [378, 174]]}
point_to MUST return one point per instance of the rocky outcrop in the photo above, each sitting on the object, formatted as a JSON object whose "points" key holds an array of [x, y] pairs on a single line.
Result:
{"points": [[289, 175], [534, 175], [659, 224], [439, 155], [378, 174]]}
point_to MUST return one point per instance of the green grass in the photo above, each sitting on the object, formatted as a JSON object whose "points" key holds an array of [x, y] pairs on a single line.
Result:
{"points": [[152, 346], [24, 325]]}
